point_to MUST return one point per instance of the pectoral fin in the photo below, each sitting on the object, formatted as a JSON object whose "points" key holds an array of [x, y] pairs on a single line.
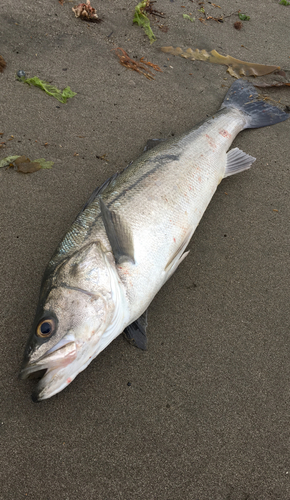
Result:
{"points": [[136, 332], [119, 235]]}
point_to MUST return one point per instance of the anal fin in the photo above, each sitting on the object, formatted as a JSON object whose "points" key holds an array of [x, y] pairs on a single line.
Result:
{"points": [[237, 161], [136, 332]]}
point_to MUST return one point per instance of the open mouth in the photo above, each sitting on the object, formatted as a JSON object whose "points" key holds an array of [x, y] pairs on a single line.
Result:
{"points": [[58, 357], [37, 375]]}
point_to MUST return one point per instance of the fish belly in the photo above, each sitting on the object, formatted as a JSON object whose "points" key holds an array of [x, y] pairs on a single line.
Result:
{"points": [[173, 190]]}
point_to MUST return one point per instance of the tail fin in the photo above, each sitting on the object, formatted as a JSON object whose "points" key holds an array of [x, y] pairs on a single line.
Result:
{"points": [[243, 96]]}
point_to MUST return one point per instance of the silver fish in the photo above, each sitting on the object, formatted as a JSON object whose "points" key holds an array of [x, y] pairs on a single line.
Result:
{"points": [[130, 238]]}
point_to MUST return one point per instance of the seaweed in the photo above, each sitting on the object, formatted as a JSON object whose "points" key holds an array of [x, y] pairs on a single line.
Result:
{"points": [[24, 165], [142, 20], [61, 95], [129, 63], [186, 16], [87, 13], [244, 17], [236, 67]]}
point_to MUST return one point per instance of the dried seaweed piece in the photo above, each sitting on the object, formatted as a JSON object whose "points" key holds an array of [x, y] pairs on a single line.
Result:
{"points": [[148, 63], [142, 20], [152, 11], [2, 64], [216, 19], [25, 166], [238, 25], [129, 63], [163, 28], [236, 67], [86, 12]]}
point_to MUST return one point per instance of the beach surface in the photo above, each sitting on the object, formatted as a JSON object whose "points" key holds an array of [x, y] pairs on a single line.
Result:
{"points": [[204, 414]]}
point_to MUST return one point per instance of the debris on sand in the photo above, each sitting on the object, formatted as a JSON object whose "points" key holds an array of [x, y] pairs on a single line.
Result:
{"points": [[153, 12], [276, 79], [87, 13], [138, 66], [244, 17], [61, 95], [142, 20], [24, 165], [2, 64], [186, 16], [238, 25], [236, 67]]}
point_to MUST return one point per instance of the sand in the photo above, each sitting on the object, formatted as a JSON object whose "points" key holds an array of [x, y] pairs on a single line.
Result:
{"points": [[206, 413]]}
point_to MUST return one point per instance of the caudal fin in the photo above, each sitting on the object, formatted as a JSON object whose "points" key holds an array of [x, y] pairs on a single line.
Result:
{"points": [[243, 96]]}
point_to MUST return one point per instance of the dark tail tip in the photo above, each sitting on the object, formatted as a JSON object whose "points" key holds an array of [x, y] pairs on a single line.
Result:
{"points": [[243, 96]]}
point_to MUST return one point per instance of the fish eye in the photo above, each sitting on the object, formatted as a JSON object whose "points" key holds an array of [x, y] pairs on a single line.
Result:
{"points": [[45, 328]]}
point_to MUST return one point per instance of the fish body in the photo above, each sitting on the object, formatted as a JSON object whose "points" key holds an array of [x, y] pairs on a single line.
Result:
{"points": [[130, 238]]}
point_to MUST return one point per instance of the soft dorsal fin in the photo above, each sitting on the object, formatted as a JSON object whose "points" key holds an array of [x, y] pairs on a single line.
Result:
{"points": [[119, 235], [136, 332], [237, 161]]}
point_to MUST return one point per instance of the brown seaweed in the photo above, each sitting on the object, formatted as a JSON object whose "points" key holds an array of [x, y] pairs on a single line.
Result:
{"points": [[236, 67]]}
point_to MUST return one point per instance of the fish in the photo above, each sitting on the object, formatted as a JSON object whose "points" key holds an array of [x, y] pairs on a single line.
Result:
{"points": [[129, 239]]}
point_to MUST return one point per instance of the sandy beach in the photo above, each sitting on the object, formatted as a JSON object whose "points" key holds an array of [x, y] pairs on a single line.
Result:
{"points": [[204, 414]]}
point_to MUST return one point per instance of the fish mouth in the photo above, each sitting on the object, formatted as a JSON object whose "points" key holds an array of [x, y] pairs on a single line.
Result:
{"points": [[57, 357]]}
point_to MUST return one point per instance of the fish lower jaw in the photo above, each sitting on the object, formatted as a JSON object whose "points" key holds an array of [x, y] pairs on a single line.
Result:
{"points": [[58, 359]]}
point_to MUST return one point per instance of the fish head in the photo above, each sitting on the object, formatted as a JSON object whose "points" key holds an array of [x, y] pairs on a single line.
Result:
{"points": [[79, 316]]}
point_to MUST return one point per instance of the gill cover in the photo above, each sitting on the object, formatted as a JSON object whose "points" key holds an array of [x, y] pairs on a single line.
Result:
{"points": [[78, 296]]}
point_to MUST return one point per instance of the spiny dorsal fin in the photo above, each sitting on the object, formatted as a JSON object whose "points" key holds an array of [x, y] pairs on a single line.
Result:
{"points": [[100, 190], [119, 235]]}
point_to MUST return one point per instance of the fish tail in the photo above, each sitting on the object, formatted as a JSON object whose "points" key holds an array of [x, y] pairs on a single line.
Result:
{"points": [[243, 96]]}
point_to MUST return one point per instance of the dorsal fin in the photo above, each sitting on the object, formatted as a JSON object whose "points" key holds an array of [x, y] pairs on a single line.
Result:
{"points": [[99, 190]]}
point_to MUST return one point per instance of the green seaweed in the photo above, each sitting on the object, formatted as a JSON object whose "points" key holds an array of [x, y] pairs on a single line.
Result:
{"points": [[44, 163], [186, 16], [284, 2], [142, 20], [61, 96], [6, 161], [244, 17]]}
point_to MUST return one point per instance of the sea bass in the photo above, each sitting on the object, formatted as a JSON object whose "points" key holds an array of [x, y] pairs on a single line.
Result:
{"points": [[130, 238]]}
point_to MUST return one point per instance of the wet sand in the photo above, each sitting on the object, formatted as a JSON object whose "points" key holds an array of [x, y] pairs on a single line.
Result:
{"points": [[206, 413]]}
